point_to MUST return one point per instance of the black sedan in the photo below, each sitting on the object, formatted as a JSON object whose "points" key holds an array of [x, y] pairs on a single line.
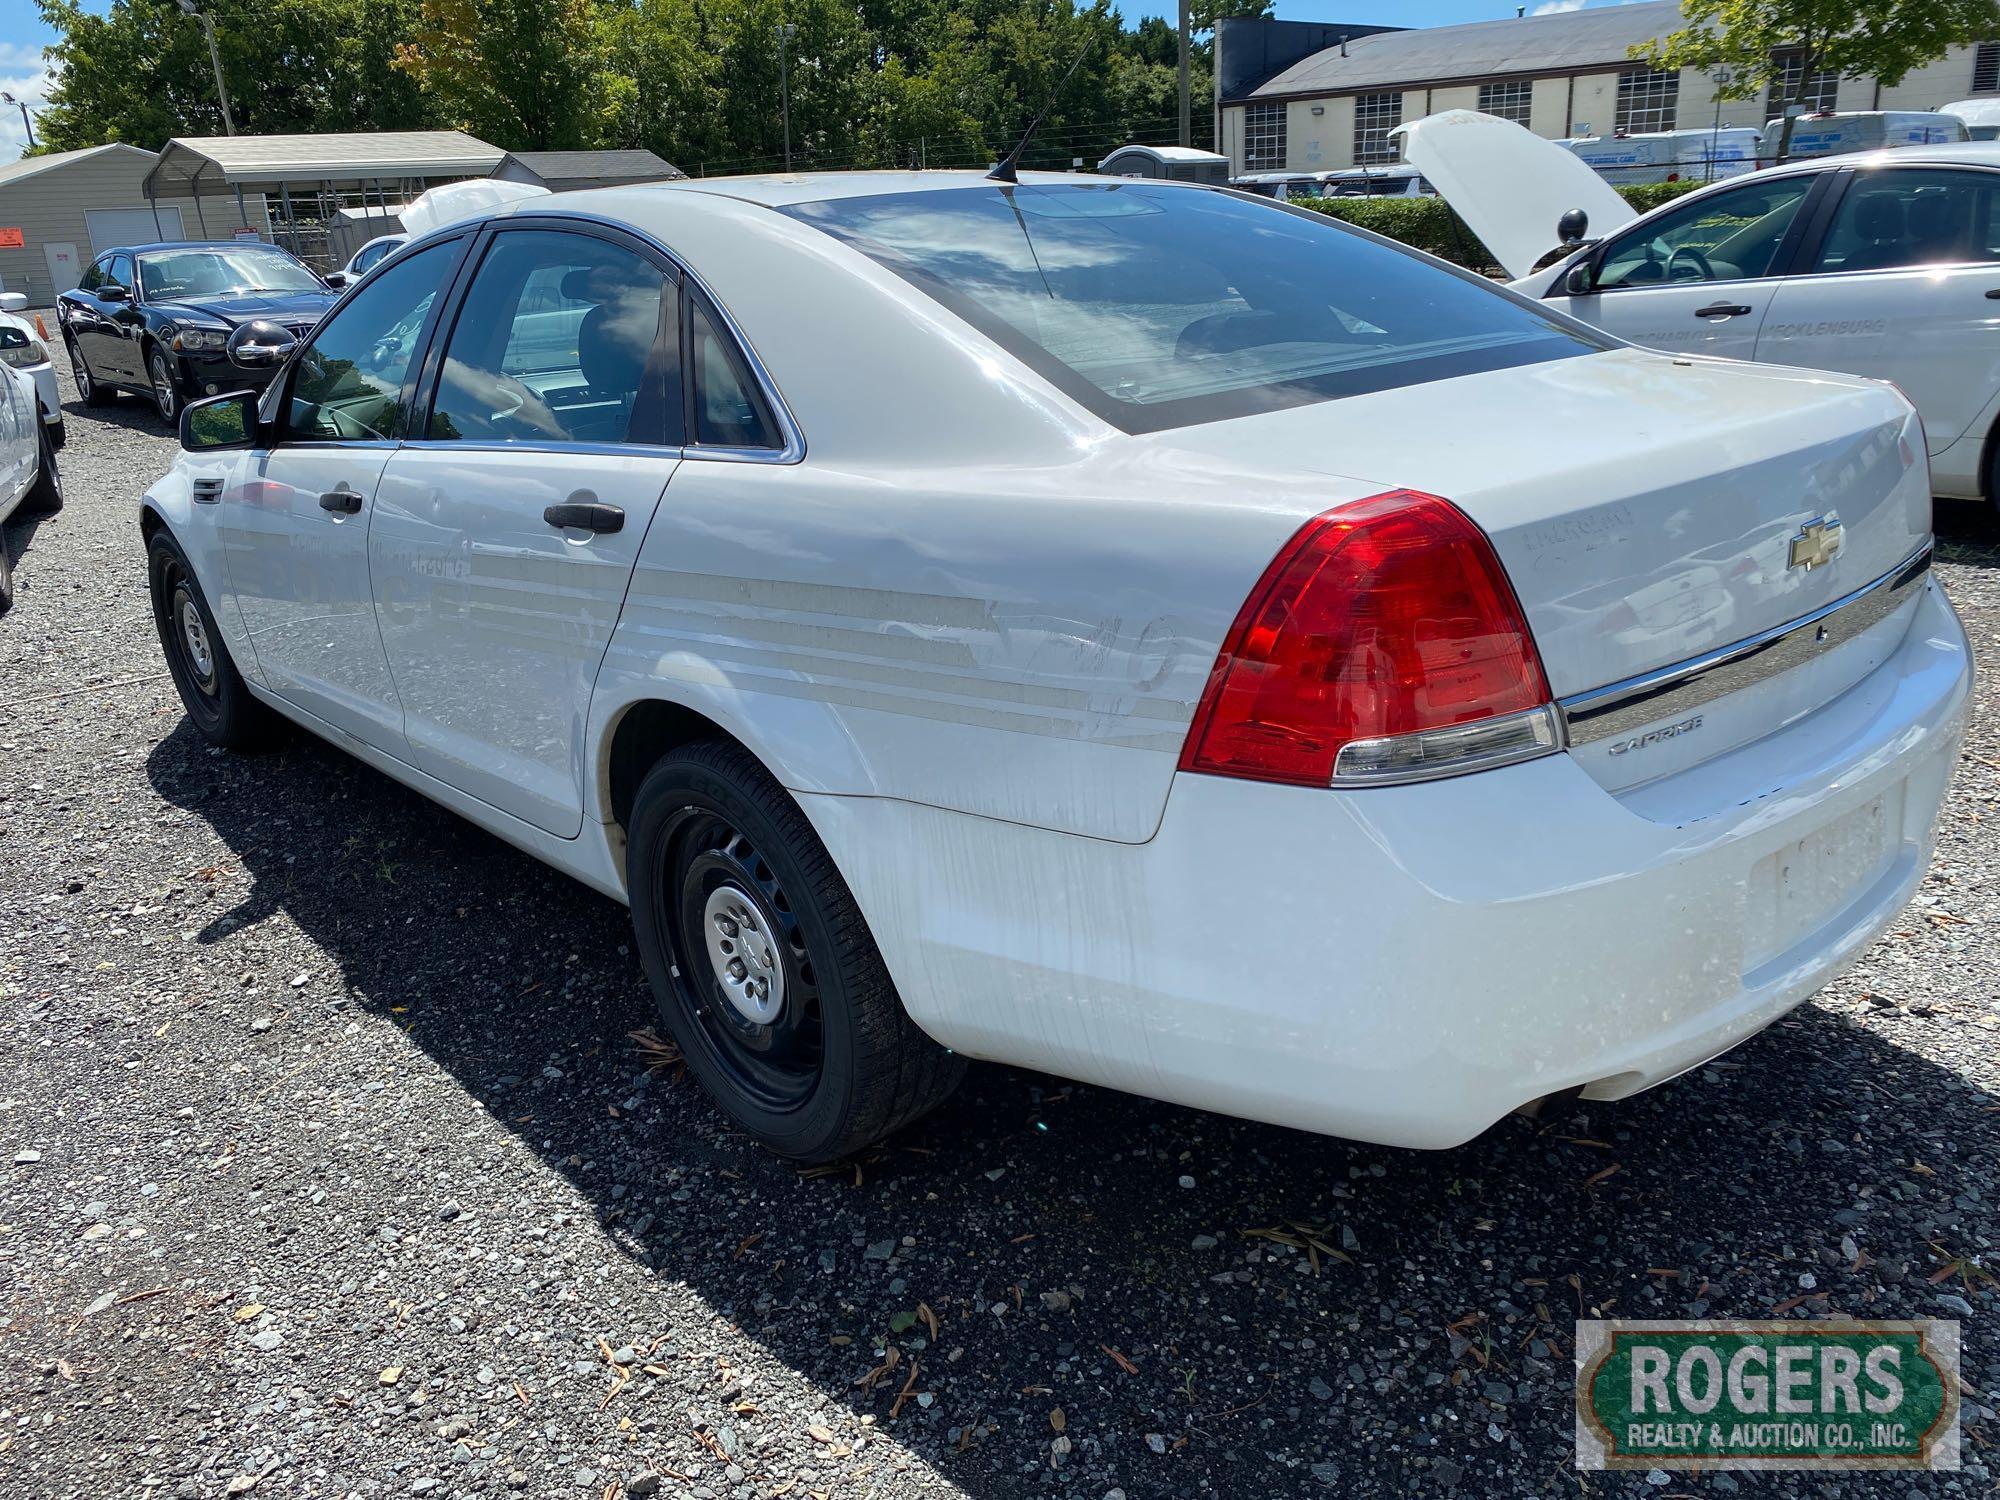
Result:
{"points": [[157, 318]]}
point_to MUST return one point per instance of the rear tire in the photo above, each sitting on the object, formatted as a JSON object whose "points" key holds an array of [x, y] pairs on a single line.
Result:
{"points": [[6, 575], [46, 497], [87, 386], [212, 691], [763, 968]]}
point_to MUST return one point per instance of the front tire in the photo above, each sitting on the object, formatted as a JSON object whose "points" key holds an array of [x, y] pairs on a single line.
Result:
{"points": [[6, 575], [762, 966], [166, 390], [46, 497], [212, 691]]}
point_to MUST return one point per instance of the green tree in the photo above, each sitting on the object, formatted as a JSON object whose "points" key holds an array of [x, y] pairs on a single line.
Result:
{"points": [[140, 72], [1786, 42], [518, 73]]}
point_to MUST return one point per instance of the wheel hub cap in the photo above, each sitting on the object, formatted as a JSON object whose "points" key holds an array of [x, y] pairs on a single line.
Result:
{"points": [[744, 955], [196, 637]]}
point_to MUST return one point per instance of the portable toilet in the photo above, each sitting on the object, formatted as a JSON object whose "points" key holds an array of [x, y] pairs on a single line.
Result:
{"points": [[1180, 163]]}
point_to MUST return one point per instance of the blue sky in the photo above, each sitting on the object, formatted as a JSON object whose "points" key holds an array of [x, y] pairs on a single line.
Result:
{"points": [[23, 35]]}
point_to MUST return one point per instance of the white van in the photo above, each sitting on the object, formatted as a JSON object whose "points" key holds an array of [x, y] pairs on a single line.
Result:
{"points": [[1669, 155], [1283, 186], [1864, 130], [1399, 181]]}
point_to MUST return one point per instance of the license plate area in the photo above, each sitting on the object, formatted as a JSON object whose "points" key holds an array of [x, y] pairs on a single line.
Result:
{"points": [[1799, 889]]}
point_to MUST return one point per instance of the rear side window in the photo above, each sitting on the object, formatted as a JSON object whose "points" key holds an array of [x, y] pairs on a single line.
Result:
{"points": [[93, 278], [1911, 217], [728, 410], [562, 338], [1158, 306]]}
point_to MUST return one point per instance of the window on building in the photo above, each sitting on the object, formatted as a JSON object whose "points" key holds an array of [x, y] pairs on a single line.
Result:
{"points": [[1647, 100], [1375, 115], [1263, 137], [1819, 93], [1986, 69], [1510, 101]]}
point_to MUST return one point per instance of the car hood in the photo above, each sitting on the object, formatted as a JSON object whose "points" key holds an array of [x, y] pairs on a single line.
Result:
{"points": [[1508, 184], [286, 307]]}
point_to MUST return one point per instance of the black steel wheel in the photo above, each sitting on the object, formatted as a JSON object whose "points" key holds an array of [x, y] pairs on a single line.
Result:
{"points": [[212, 691], [763, 968]]}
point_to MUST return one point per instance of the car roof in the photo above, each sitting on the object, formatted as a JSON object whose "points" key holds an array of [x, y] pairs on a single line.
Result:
{"points": [[779, 190]]}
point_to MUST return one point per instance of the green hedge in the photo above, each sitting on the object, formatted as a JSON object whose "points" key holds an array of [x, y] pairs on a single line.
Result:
{"points": [[1430, 225]]}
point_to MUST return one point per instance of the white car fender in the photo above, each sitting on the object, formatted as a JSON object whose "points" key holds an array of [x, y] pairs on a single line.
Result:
{"points": [[170, 502]]}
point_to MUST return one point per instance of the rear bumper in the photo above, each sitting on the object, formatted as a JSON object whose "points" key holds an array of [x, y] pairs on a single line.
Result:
{"points": [[1408, 964]]}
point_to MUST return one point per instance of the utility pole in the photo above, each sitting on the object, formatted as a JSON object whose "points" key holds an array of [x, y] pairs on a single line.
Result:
{"points": [[188, 7], [785, 33], [22, 105], [1187, 103]]}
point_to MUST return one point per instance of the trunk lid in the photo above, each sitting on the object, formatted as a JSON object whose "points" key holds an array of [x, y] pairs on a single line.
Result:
{"points": [[1508, 184], [1644, 507]]}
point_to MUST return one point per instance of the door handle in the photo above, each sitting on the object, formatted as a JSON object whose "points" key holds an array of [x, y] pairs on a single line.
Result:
{"points": [[345, 502], [586, 515], [1994, 294], [1723, 310]]}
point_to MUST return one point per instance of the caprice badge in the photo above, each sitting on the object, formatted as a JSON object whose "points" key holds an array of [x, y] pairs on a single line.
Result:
{"points": [[1655, 736], [1817, 543]]}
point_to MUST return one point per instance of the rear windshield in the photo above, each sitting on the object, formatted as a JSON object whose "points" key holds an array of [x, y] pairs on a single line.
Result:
{"points": [[1159, 306]]}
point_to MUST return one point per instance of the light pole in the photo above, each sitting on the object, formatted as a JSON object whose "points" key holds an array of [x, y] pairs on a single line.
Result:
{"points": [[215, 57], [22, 106], [1187, 117], [785, 33], [1722, 77]]}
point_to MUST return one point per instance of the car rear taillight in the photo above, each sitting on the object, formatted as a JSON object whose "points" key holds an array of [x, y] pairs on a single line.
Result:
{"points": [[1383, 644]]}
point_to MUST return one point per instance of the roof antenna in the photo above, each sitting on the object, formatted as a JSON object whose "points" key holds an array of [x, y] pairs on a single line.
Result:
{"points": [[1004, 172]]}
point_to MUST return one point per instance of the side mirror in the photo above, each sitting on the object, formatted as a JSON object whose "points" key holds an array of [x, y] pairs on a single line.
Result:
{"points": [[1572, 227], [1580, 279], [261, 344], [113, 294], [335, 279], [13, 302], [220, 422]]}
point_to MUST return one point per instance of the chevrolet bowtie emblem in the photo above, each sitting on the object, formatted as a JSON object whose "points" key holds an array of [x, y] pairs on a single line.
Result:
{"points": [[1816, 544]]}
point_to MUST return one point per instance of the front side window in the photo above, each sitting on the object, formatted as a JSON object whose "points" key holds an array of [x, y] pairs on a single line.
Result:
{"points": [[1510, 101], [1912, 217], [1728, 236], [1263, 137], [370, 254], [1375, 115], [562, 338], [1156, 306], [221, 273], [119, 272], [348, 383], [1647, 101]]}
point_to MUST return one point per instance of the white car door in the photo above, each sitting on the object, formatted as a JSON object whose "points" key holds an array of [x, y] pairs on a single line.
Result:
{"points": [[1698, 278], [295, 525], [1905, 286], [505, 535]]}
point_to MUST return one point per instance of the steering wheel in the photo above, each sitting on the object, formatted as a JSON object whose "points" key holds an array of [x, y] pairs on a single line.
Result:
{"points": [[1705, 272]]}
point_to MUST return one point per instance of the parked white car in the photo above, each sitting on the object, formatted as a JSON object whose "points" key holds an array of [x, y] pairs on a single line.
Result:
{"points": [[1021, 623], [23, 348], [366, 259], [29, 478], [1885, 264]]}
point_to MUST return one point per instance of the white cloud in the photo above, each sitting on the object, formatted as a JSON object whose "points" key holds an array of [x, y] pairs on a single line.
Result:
{"points": [[24, 75]]}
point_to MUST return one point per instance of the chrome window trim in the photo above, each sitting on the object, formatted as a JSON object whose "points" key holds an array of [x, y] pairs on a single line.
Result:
{"points": [[1687, 686], [794, 447], [537, 445]]}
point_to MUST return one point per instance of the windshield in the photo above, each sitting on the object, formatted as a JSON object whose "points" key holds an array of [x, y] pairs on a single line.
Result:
{"points": [[1159, 306], [218, 273]]}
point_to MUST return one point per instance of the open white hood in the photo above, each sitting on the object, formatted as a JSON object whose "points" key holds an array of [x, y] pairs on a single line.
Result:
{"points": [[451, 201], [1508, 184]]}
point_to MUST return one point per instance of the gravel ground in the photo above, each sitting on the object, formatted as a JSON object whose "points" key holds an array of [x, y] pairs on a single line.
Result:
{"points": [[328, 1167]]}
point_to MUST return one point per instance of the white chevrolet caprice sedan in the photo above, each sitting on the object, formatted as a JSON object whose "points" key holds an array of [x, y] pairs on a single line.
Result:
{"points": [[1123, 628]]}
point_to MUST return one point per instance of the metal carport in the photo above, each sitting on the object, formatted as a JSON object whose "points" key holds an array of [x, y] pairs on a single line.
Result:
{"points": [[312, 177]]}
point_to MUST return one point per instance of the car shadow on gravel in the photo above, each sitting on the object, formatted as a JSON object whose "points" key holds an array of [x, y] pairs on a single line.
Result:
{"points": [[1125, 1293]]}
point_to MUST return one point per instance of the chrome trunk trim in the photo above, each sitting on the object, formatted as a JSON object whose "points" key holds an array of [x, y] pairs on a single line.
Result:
{"points": [[1684, 687]]}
